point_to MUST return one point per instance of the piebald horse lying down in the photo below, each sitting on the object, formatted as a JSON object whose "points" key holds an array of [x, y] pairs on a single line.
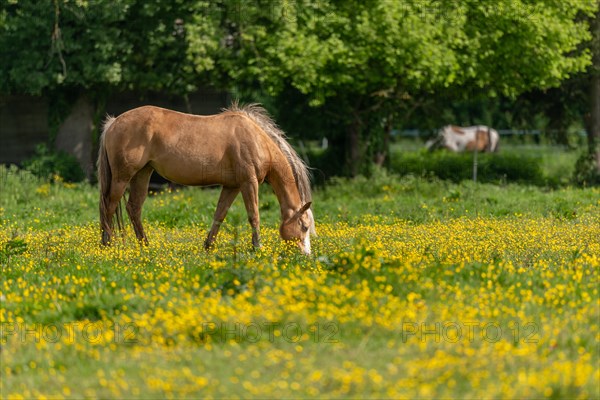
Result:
{"points": [[459, 139], [238, 149]]}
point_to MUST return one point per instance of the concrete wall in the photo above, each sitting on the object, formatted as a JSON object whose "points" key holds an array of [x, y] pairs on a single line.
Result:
{"points": [[75, 134], [24, 122]]}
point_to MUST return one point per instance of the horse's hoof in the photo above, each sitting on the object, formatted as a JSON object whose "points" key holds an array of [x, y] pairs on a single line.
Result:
{"points": [[105, 239]]}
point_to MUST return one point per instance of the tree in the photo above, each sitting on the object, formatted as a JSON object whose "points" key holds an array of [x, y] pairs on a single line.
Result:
{"points": [[67, 49], [79, 53], [121, 44], [363, 66], [594, 117], [361, 61], [350, 58], [46, 46]]}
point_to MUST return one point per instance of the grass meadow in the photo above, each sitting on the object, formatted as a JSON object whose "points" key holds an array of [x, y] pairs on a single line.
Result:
{"points": [[417, 287]]}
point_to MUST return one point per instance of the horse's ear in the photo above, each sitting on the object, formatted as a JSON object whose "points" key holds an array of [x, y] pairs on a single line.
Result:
{"points": [[298, 213], [303, 209]]}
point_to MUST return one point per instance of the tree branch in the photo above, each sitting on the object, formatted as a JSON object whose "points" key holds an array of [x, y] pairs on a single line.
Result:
{"points": [[57, 43]]}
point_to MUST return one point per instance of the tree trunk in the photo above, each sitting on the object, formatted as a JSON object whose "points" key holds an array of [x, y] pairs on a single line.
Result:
{"points": [[353, 147], [381, 155], [594, 124]]}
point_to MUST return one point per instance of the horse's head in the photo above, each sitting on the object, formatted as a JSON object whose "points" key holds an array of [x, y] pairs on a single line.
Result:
{"points": [[438, 141], [299, 227], [446, 138]]}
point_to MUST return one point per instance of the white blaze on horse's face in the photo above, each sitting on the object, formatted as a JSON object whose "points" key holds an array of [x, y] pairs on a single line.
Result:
{"points": [[305, 227], [306, 248], [311, 231], [298, 228]]}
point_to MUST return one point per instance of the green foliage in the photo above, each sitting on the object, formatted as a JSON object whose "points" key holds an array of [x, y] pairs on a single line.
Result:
{"points": [[362, 63], [329, 50], [586, 172], [104, 45], [458, 167], [47, 45], [49, 164], [358, 65], [535, 45]]}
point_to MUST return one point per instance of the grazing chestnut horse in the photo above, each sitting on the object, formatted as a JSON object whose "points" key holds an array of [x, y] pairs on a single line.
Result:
{"points": [[238, 149]]}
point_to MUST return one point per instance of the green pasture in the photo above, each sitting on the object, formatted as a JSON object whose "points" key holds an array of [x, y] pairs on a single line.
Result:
{"points": [[418, 287]]}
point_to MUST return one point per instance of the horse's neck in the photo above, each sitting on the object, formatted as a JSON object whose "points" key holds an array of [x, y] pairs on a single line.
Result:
{"points": [[283, 183]]}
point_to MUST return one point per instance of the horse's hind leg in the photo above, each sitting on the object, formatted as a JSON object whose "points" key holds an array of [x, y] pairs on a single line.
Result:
{"points": [[227, 196], [138, 190]]}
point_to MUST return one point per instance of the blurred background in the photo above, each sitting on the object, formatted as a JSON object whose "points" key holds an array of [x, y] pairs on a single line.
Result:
{"points": [[356, 85]]}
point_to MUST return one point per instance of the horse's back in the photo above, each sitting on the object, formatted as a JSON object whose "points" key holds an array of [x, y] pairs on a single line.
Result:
{"points": [[189, 149], [164, 124]]}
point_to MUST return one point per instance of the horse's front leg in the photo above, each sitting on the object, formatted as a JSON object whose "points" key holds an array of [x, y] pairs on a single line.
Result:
{"points": [[227, 196], [250, 195]]}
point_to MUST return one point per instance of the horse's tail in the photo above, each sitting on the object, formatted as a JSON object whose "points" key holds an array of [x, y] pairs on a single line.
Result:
{"points": [[496, 145], [104, 183], [492, 139]]}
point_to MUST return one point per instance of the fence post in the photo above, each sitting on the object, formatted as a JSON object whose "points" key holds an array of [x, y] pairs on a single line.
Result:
{"points": [[475, 160]]}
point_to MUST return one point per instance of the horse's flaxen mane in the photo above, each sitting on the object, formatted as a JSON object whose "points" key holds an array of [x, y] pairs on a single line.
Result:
{"points": [[299, 168]]}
